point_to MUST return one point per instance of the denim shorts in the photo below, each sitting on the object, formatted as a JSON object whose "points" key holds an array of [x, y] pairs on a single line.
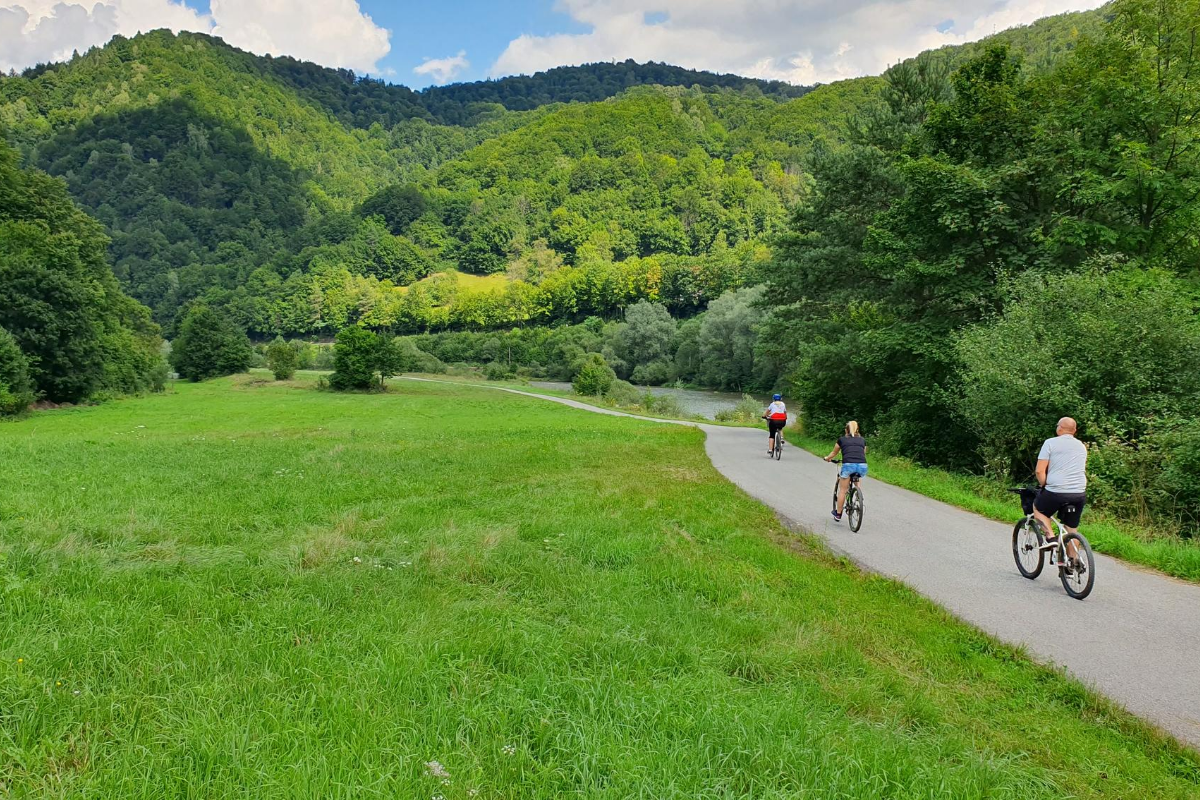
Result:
{"points": [[853, 469]]}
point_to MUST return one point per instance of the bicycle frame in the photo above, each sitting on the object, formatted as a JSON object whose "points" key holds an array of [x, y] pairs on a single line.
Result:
{"points": [[1058, 553]]}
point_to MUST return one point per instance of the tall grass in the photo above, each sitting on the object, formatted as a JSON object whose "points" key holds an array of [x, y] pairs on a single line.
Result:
{"points": [[255, 590]]}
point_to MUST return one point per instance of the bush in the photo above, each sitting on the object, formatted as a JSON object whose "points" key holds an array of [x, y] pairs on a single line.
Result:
{"points": [[322, 357], [665, 404], [497, 371], [1155, 477], [209, 346], [16, 388], [622, 393], [355, 360], [656, 373], [595, 377], [1116, 350], [281, 359], [747, 410]]}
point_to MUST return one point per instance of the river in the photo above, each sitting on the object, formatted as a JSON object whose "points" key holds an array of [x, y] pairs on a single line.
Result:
{"points": [[693, 401]]}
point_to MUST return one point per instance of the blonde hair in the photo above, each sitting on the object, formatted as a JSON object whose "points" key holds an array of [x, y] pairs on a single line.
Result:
{"points": [[852, 428]]}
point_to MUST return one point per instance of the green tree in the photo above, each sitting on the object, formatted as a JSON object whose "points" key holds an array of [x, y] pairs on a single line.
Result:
{"points": [[594, 377], [727, 340], [58, 296], [644, 340], [16, 389], [1117, 350], [400, 205], [355, 360], [209, 345], [282, 359]]}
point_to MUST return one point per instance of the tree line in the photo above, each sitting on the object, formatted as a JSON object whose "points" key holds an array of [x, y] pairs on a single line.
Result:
{"points": [[998, 247], [67, 331]]}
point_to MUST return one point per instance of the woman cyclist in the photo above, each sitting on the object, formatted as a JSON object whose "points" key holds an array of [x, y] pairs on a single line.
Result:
{"points": [[776, 417], [853, 448]]}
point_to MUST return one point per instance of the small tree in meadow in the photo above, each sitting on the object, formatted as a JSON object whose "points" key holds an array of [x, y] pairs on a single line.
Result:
{"points": [[209, 345], [355, 360], [595, 377], [281, 359]]}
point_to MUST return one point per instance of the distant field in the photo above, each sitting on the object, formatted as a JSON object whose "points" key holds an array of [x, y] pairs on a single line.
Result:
{"points": [[466, 280], [253, 590]]}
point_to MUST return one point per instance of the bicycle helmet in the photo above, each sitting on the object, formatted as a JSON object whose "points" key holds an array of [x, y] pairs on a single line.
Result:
{"points": [[777, 397]]}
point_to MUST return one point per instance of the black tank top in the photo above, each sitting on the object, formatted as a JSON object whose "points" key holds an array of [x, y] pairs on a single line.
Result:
{"points": [[854, 449]]}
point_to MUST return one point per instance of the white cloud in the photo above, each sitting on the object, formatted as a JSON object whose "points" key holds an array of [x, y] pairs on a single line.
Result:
{"points": [[443, 70], [332, 32], [335, 33], [800, 41]]}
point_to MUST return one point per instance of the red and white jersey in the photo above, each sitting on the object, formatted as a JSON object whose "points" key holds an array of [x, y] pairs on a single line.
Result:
{"points": [[777, 410]]}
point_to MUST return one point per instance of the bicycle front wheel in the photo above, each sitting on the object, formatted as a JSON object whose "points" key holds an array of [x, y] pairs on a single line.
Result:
{"points": [[854, 508], [1079, 574], [1027, 548]]}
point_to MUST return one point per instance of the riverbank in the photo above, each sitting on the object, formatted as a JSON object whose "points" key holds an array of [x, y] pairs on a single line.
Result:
{"points": [[370, 601]]}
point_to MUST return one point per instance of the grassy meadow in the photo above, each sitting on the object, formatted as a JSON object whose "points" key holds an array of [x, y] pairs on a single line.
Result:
{"points": [[244, 589]]}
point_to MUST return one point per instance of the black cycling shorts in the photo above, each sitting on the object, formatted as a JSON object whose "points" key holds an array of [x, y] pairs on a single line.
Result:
{"points": [[775, 425], [1069, 507]]}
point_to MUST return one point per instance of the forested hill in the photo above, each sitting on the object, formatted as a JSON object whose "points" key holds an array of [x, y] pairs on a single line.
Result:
{"points": [[584, 84], [302, 199]]}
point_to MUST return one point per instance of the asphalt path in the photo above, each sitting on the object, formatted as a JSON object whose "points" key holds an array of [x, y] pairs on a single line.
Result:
{"points": [[1135, 639]]}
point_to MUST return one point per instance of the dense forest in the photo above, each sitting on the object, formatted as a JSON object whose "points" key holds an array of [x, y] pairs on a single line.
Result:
{"points": [[301, 199]]}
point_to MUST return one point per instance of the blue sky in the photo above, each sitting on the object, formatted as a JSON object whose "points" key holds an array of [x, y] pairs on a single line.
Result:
{"points": [[421, 31], [417, 42], [481, 29]]}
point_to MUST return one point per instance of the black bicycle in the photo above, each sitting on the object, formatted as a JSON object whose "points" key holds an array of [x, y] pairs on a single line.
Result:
{"points": [[1030, 547], [853, 507], [777, 446]]}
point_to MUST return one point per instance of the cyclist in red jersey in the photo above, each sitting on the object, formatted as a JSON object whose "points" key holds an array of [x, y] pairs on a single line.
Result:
{"points": [[776, 417]]}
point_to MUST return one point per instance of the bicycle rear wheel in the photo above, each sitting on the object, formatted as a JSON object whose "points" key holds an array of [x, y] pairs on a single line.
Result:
{"points": [[854, 507], [1079, 576], [779, 445], [1026, 545]]}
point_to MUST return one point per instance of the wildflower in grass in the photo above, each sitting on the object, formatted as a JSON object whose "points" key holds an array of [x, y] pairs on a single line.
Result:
{"points": [[510, 749], [435, 769], [357, 560]]}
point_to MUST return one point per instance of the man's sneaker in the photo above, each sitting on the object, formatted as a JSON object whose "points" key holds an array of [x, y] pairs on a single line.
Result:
{"points": [[836, 516], [1049, 543]]}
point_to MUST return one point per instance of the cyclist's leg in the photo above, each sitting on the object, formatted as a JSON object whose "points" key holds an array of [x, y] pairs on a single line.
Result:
{"points": [[1043, 514], [843, 485], [1069, 516]]}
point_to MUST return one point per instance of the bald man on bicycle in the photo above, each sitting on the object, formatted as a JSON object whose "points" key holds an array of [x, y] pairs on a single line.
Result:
{"points": [[1062, 474]]}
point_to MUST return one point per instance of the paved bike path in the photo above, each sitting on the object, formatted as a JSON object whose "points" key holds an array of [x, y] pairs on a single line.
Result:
{"points": [[1136, 639]]}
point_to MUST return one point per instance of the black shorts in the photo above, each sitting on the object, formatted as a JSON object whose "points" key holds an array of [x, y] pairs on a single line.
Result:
{"points": [[1069, 507], [775, 425]]}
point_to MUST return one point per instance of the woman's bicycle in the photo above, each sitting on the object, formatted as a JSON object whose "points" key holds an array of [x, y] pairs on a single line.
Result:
{"points": [[1030, 548], [777, 446], [853, 507]]}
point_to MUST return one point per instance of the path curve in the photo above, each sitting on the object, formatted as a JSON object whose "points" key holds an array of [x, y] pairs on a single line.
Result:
{"points": [[1136, 639]]}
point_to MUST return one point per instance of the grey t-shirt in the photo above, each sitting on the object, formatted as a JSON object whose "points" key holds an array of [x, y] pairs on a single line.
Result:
{"points": [[1068, 464]]}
